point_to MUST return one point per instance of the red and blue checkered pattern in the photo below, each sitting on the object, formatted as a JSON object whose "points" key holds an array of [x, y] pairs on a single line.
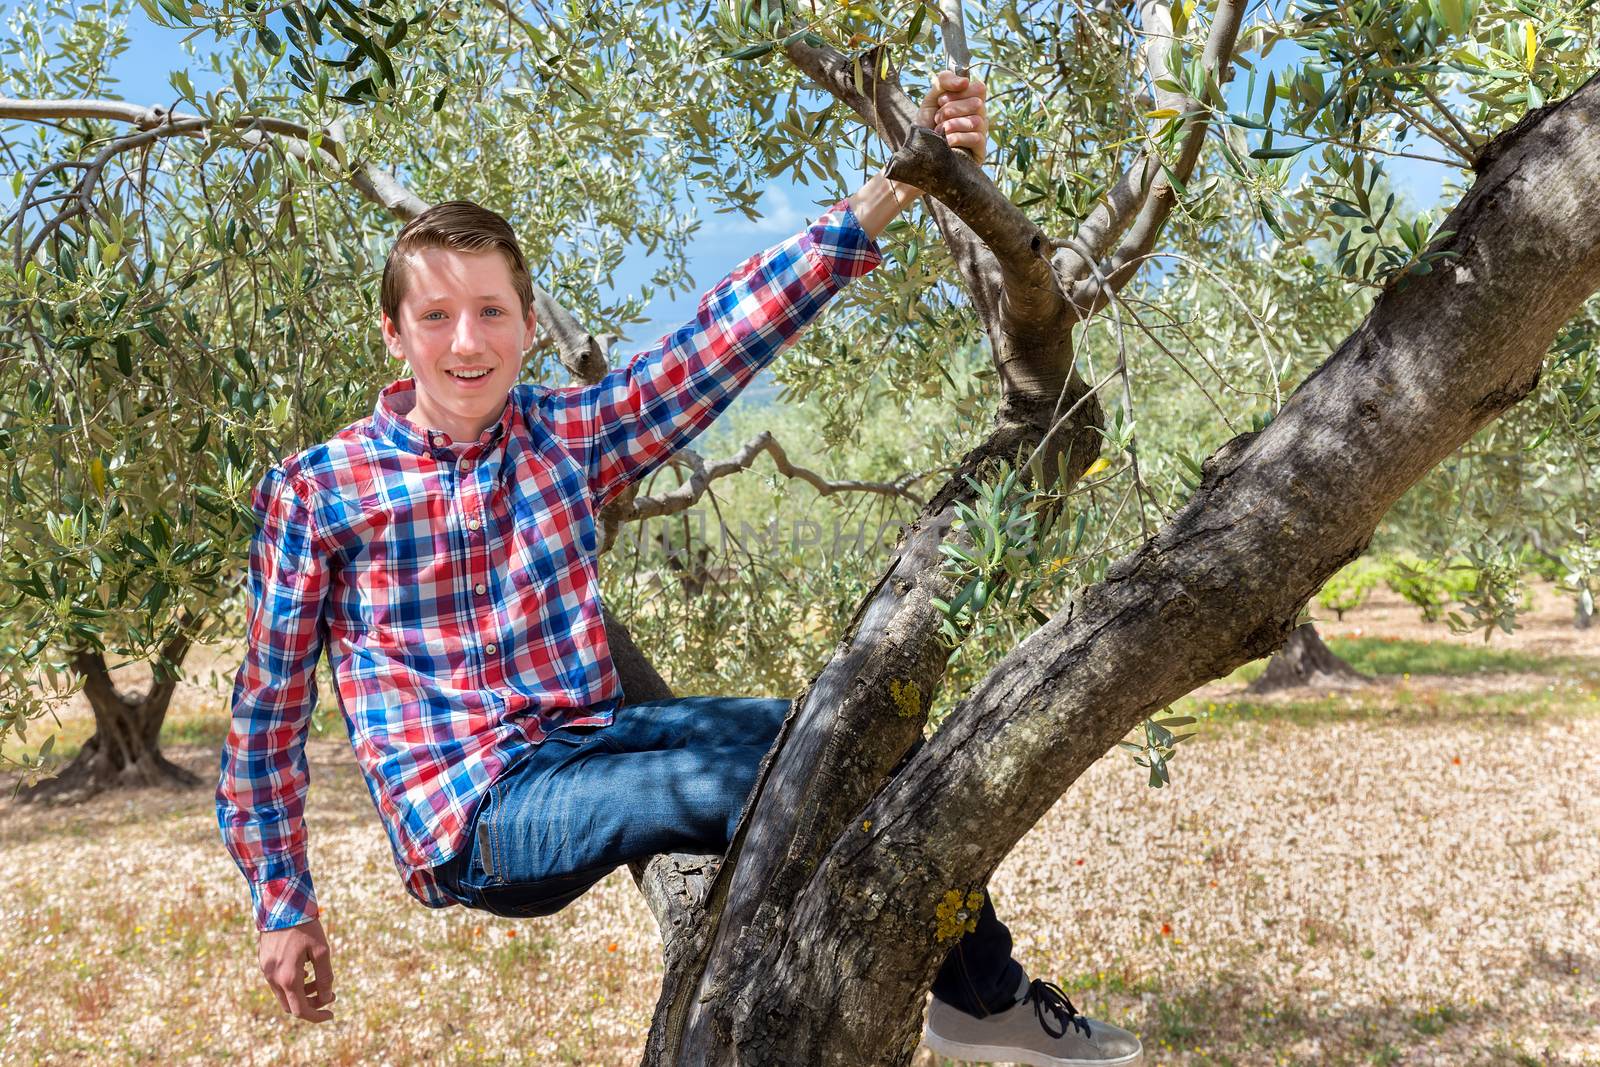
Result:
{"points": [[453, 584]]}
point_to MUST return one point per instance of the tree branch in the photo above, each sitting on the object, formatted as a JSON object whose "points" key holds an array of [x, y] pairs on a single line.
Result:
{"points": [[1438, 133], [953, 33], [885, 108], [1473, 141], [702, 475], [1029, 289], [1090, 294], [926, 160], [1112, 216], [880, 102]]}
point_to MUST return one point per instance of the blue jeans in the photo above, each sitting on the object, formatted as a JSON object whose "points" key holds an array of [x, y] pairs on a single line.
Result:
{"points": [[671, 776]]}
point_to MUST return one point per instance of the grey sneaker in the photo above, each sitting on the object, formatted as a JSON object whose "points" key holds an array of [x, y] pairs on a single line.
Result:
{"points": [[1042, 1029]]}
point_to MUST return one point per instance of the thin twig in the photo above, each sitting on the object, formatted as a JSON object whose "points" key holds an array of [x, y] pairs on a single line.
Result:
{"points": [[1420, 120], [701, 475], [1473, 141]]}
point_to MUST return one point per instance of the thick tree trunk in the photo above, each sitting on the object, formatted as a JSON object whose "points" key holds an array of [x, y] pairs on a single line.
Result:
{"points": [[1305, 661], [855, 722], [836, 972], [125, 750]]}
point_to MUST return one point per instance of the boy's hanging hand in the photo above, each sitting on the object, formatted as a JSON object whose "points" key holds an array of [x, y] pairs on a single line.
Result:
{"points": [[955, 108], [284, 956]]}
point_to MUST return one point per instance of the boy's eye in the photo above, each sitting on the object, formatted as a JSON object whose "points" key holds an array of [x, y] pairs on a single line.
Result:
{"points": [[433, 316], [493, 311]]}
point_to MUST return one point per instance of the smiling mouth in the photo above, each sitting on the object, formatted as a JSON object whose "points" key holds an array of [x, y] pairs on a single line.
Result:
{"points": [[467, 376]]}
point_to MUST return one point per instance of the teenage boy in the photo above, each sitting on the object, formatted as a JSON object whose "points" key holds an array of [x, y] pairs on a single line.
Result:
{"points": [[443, 551]]}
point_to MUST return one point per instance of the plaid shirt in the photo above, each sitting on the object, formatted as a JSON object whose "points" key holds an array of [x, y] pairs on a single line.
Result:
{"points": [[453, 584]]}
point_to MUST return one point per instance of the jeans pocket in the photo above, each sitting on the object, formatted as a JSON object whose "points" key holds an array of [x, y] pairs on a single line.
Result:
{"points": [[518, 829]]}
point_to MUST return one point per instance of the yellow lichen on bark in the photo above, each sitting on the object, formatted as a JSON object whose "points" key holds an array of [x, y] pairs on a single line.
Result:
{"points": [[957, 914], [907, 698]]}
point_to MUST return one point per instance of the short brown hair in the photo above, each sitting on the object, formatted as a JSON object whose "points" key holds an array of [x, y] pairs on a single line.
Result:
{"points": [[462, 226]]}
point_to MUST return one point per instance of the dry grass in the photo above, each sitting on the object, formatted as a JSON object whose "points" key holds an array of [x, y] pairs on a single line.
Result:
{"points": [[1405, 874]]}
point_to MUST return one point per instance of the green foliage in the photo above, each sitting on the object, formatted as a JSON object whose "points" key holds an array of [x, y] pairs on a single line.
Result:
{"points": [[1155, 751], [1582, 578], [214, 311], [994, 547], [1429, 584], [1520, 496], [1350, 588], [1495, 594]]}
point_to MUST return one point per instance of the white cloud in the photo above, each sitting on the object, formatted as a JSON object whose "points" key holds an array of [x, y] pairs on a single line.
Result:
{"points": [[779, 218]]}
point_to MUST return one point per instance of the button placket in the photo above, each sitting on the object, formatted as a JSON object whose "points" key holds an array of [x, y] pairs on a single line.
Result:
{"points": [[473, 505], [477, 570]]}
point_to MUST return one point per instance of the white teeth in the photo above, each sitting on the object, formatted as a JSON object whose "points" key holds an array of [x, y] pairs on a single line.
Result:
{"points": [[468, 375]]}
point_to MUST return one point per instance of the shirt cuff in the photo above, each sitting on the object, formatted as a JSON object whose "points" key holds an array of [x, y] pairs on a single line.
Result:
{"points": [[284, 902], [837, 237]]}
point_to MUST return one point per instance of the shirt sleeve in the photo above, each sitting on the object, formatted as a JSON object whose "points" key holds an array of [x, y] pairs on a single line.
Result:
{"points": [[628, 424], [262, 789]]}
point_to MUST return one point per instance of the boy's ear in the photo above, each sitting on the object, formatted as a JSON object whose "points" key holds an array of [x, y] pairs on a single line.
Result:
{"points": [[391, 335]]}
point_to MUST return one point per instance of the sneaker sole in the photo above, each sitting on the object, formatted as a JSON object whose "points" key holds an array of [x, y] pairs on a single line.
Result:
{"points": [[957, 1050]]}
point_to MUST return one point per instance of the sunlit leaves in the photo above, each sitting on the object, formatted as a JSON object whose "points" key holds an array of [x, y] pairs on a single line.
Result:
{"points": [[218, 316], [1155, 751]]}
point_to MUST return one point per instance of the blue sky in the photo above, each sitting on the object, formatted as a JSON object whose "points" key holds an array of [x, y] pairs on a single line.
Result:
{"points": [[723, 240]]}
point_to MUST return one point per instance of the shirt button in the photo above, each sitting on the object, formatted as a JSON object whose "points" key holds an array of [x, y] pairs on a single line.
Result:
{"points": [[466, 467], [438, 440], [489, 649], [473, 524], [480, 589]]}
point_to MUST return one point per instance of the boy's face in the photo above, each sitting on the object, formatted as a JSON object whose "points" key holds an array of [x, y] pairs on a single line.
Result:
{"points": [[462, 332]]}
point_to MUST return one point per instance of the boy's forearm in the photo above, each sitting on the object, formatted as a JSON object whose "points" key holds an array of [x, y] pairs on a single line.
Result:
{"points": [[878, 202], [628, 424]]}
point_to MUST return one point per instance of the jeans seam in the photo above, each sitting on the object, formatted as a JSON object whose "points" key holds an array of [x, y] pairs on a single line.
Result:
{"points": [[589, 876]]}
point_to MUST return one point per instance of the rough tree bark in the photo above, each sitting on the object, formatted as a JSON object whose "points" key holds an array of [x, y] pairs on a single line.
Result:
{"points": [[1304, 660], [1222, 583]]}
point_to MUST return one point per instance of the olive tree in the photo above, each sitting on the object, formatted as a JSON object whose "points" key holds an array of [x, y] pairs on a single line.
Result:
{"points": [[1123, 135]]}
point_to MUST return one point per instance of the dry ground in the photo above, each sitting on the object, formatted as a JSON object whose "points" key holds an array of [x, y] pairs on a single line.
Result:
{"points": [[1401, 874]]}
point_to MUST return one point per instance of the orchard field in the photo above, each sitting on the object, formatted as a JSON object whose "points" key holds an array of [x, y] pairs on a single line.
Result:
{"points": [[1398, 873]]}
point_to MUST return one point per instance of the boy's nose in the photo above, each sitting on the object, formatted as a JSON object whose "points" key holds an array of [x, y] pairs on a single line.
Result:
{"points": [[468, 337]]}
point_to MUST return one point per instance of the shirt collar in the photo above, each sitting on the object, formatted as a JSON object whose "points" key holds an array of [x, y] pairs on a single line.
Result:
{"points": [[397, 400]]}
